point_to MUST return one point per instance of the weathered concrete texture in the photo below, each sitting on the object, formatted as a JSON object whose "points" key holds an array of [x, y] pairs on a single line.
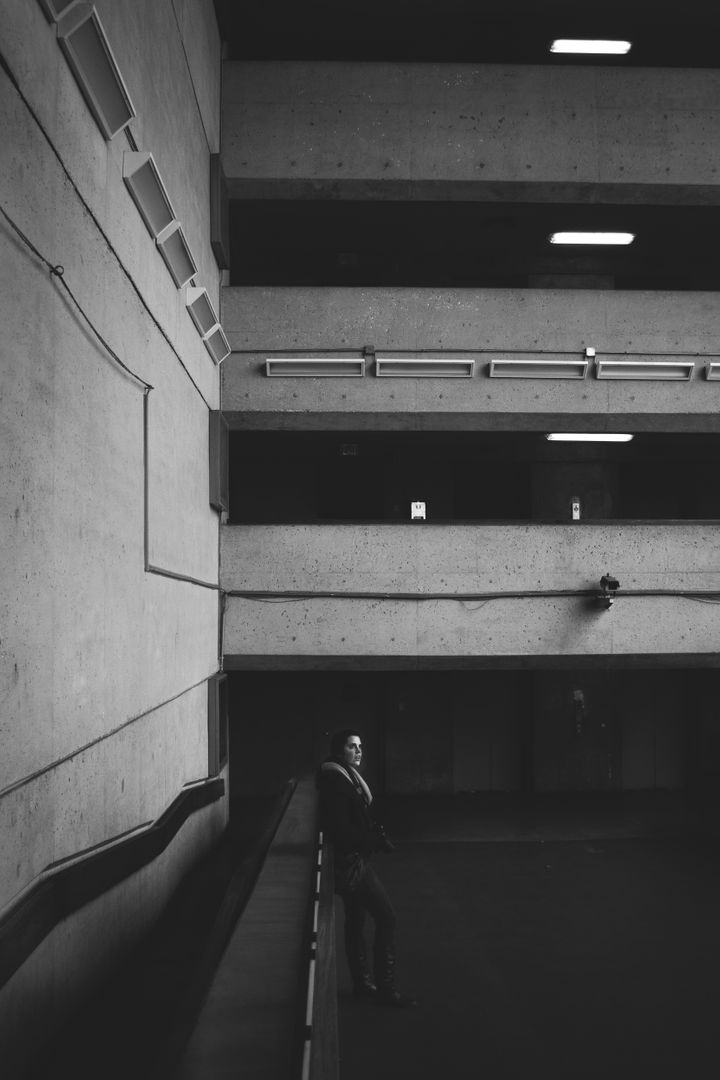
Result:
{"points": [[119, 783], [561, 628], [557, 324], [62, 970], [88, 640], [463, 558], [469, 560], [466, 122]]}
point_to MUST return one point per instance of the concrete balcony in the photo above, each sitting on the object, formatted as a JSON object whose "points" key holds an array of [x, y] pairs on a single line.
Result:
{"points": [[375, 631], [463, 131], [477, 323]]}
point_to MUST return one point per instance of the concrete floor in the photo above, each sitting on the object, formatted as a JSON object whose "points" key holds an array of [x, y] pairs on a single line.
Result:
{"points": [[578, 937]]}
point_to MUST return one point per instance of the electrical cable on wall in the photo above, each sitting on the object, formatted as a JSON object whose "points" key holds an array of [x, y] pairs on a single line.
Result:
{"points": [[58, 272], [278, 596], [88, 209]]}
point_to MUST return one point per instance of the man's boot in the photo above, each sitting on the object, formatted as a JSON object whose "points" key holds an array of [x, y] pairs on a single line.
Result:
{"points": [[385, 978], [363, 986]]}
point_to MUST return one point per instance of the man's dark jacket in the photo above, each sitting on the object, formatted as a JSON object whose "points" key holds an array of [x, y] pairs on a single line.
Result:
{"points": [[344, 812]]}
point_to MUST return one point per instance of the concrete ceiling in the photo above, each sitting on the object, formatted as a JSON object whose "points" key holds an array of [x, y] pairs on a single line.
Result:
{"points": [[663, 33]]}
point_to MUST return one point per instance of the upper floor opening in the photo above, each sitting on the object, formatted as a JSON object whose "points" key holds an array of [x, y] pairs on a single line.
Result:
{"points": [[469, 477], [450, 244]]}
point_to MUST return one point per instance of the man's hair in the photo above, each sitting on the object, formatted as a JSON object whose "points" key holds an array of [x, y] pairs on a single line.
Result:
{"points": [[338, 740]]}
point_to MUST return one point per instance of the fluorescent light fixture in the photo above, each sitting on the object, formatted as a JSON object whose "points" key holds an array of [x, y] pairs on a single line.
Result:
{"points": [[201, 310], [712, 371], [585, 45], [587, 436], [673, 370], [313, 366], [592, 238], [538, 369], [408, 367], [172, 245], [217, 344], [142, 180], [82, 38]]}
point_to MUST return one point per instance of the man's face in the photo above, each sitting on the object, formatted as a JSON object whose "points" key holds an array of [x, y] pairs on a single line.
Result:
{"points": [[352, 751]]}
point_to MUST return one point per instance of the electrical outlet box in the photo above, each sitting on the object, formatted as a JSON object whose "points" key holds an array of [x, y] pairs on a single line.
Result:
{"points": [[417, 511]]}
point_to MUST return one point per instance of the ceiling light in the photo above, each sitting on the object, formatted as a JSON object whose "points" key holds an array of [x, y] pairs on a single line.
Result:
{"points": [[582, 45], [83, 40], [675, 370], [592, 238], [424, 367], [312, 366], [538, 369], [587, 436], [712, 371]]}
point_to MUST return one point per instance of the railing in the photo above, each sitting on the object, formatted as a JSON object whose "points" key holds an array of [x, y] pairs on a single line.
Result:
{"points": [[69, 884], [320, 1048]]}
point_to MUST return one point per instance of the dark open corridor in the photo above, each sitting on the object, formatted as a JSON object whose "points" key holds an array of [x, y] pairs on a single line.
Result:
{"points": [[578, 956]]}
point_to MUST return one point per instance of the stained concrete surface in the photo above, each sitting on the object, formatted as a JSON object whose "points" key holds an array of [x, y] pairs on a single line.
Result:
{"points": [[550, 950], [137, 1022]]}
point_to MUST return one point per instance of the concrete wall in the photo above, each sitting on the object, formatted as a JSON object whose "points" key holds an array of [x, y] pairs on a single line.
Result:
{"points": [[467, 125], [557, 323], [466, 559], [103, 666]]}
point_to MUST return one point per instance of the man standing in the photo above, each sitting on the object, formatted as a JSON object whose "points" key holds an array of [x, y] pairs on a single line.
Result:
{"points": [[346, 817]]}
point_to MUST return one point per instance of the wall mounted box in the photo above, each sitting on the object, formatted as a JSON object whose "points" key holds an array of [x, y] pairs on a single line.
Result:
{"points": [[217, 723], [218, 447], [201, 310], [314, 367], [82, 38], [173, 247], [413, 367], [538, 369], [217, 344], [143, 181], [674, 370]]}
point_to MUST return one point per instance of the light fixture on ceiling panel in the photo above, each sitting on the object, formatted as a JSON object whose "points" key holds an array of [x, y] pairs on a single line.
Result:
{"points": [[522, 368], [201, 310], [313, 366], [588, 436], [82, 38], [173, 247], [594, 238], [143, 181], [665, 370], [712, 371], [586, 46], [441, 367]]}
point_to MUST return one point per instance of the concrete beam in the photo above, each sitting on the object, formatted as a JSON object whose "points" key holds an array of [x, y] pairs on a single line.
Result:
{"points": [[334, 123], [463, 559], [480, 323]]}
